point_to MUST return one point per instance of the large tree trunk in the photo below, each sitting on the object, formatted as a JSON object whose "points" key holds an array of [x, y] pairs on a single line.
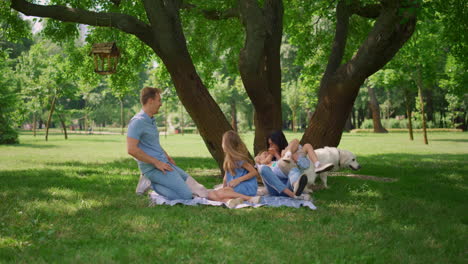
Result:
{"points": [[419, 83], [204, 111], [375, 109], [170, 45], [49, 119], [340, 82], [259, 64]]}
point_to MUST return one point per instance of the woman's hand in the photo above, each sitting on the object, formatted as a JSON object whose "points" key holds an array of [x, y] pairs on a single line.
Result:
{"points": [[275, 153], [234, 183]]}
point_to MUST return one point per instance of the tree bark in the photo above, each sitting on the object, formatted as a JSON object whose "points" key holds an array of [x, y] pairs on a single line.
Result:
{"points": [[421, 99], [375, 109], [259, 64], [62, 122], [293, 120], [340, 82], [49, 119]]}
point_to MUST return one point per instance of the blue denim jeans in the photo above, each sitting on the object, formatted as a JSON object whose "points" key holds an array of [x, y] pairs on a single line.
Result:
{"points": [[275, 183], [171, 185]]}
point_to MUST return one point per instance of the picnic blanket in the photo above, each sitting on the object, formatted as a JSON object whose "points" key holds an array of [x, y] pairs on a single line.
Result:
{"points": [[272, 201]]}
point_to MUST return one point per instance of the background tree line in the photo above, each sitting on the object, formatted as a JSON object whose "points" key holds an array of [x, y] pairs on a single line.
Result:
{"points": [[253, 64]]}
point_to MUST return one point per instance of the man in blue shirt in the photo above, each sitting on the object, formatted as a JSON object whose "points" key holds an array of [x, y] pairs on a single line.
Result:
{"points": [[143, 144]]}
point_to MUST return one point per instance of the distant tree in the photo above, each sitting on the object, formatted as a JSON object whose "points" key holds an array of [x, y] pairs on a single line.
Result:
{"points": [[454, 82], [8, 100]]}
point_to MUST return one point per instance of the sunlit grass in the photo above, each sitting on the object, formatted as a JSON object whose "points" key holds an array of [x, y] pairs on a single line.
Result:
{"points": [[73, 201]]}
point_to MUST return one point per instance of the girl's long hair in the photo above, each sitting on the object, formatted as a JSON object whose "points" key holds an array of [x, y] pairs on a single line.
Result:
{"points": [[234, 151]]}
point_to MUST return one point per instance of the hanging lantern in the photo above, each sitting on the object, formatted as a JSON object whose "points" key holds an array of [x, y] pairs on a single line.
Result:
{"points": [[106, 56]]}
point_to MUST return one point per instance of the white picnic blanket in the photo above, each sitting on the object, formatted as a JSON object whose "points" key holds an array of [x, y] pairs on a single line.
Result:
{"points": [[273, 201]]}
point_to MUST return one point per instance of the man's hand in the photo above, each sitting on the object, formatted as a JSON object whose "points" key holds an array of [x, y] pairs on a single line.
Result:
{"points": [[234, 183], [171, 160], [162, 166]]}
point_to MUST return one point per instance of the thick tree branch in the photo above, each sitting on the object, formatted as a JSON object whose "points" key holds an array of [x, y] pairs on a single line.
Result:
{"points": [[274, 11], [251, 59], [391, 30], [126, 23], [339, 43]]}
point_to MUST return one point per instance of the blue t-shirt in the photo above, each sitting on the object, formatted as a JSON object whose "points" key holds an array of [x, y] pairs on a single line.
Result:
{"points": [[248, 187], [143, 127]]}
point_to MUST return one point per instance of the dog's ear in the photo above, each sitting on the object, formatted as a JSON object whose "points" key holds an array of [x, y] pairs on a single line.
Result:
{"points": [[343, 156]]}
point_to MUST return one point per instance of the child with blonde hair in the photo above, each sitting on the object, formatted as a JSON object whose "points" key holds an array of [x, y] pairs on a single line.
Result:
{"points": [[239, 183]]}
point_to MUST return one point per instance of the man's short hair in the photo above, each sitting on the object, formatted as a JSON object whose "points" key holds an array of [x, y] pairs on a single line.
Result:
{"points": [[147, 93]]}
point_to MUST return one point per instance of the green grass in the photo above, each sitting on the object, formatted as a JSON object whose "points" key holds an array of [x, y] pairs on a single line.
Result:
{"points": [[73, 201]]}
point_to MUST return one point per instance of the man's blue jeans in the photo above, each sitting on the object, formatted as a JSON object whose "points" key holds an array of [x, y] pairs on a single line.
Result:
{"points": [[172, 184]]}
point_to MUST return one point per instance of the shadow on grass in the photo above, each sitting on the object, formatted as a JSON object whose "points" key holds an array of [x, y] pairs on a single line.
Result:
{"points": [[105, 213], [428, 185], [432, 173], [36, 146], [186, 163], [451, 140]]}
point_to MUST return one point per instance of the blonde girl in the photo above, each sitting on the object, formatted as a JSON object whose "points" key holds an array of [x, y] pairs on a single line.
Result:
{"points": [[239, 183]]}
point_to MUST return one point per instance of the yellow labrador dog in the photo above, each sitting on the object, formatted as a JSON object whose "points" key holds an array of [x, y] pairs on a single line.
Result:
{"points": [[340, 158]]}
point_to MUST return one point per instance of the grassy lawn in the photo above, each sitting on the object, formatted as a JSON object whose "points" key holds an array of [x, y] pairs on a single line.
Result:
{"points": [[73, 201]]}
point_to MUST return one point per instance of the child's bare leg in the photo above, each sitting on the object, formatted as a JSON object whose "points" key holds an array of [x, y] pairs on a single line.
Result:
{"points": [[310, 152], [292, 148], [224, 194]]}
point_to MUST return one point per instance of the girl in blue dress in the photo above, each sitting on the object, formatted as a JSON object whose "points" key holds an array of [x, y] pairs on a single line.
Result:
{"points": [[239, 183]]}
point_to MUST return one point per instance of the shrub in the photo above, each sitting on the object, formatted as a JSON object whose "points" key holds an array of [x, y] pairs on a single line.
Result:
{"points": [[8, 135], [367, 124]]}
